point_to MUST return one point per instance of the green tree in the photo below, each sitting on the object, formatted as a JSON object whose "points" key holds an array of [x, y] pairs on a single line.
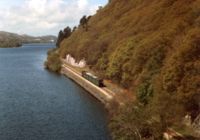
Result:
{"points": [[53, 62], [84, 22], [67, 32], [60, 38], [63, 34]]}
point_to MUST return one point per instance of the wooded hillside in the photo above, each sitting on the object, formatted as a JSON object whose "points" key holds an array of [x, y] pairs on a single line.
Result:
{"points": [[9, 40], [150, 47]]}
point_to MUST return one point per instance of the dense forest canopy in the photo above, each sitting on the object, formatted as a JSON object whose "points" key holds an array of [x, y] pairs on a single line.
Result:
{"points": [[151, 48]]}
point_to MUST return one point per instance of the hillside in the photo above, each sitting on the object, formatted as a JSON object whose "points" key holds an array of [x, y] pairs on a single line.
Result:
{"points": [[14, 40], [151, 48]]}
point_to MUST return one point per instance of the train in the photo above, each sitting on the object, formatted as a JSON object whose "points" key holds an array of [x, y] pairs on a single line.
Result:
{"points": [[93, 79]]}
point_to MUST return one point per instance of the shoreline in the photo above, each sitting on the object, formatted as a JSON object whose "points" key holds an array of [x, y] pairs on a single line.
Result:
{"points": [[100, 94], [11, 47]]}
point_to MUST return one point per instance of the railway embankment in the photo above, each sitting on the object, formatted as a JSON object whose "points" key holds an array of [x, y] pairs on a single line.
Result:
{"points": [[102, 94]]}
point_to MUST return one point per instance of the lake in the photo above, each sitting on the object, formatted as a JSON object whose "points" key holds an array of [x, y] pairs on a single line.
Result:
{"points": [[36, 104]]}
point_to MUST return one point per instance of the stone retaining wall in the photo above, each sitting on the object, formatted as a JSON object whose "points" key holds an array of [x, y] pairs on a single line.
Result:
{"points": [[94, 90]]}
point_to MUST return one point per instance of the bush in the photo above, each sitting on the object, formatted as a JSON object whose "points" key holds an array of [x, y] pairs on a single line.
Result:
{"points": [[53, 62], [118, 66], [145, 92]]}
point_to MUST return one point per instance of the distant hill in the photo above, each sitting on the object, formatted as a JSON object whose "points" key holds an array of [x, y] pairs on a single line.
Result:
{"points": [[151, 48], [8, 39]]}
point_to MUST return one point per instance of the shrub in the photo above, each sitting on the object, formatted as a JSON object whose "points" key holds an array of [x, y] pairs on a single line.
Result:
{"points": [[145, 92], [53, 62]]}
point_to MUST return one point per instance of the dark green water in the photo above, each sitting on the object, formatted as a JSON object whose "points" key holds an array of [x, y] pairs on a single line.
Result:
{"points": [[38, 105]]}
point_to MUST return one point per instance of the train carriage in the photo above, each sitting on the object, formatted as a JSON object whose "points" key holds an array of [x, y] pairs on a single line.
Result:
{"points": [[92, 78]]}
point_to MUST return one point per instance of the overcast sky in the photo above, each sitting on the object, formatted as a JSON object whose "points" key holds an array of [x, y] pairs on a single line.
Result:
{"points": [[43, 17]]}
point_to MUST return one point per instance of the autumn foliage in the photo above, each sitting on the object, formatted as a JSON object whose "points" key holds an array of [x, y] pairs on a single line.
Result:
{"points": [[150, 47]]}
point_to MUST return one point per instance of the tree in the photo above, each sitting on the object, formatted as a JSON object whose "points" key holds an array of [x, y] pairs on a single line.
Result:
{"points": [[60, 38], [84, 22], [63, 34], [67, 32], [74, 29]]}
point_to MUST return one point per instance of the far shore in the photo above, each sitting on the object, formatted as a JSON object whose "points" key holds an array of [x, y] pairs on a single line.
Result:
{"points": [[30, 44]]}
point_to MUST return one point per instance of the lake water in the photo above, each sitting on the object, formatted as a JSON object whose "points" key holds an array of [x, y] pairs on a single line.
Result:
{"points": [[38, 105]]}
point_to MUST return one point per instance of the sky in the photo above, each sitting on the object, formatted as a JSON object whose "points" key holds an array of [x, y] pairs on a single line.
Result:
{"points": [[44, 17]]}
